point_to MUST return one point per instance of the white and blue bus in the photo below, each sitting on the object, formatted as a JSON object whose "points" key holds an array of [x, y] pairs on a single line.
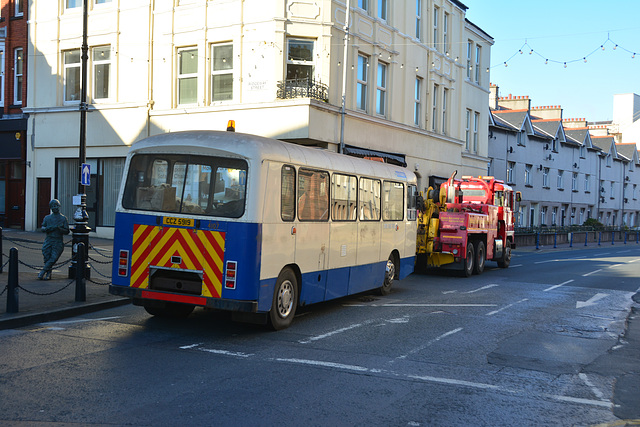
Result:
{"points": [[257, 226]]}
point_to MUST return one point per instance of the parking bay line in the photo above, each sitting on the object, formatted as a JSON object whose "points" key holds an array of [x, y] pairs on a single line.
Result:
{"points": [[557, 286]]}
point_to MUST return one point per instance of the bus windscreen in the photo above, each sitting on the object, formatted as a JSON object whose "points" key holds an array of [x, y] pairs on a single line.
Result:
{"points": [[195, 185]]}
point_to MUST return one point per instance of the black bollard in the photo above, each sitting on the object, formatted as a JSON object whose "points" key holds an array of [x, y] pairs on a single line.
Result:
{"points": [[81, 284], [12, 286]]}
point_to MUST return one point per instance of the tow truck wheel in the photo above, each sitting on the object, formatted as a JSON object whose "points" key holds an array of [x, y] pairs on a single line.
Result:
{"points": [[506, 256], [285, 300], [468, 266], [481, 255], [168, 309]]}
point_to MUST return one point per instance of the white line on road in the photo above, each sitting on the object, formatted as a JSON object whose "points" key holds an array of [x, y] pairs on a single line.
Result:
{"points": [[226, 352], [593, 272], [615, 265], [557, 286], [505, 307], [325, 364], [422, 347], [481, 289], [438, 305], [186, 347], [544, 262], [604, 404], [456, 382], [67, 322], [634, 260], [517, 265], [593, 388], [337, 331]]}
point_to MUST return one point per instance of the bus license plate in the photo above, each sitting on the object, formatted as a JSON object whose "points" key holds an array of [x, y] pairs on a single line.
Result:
{"points": [[180, 222]]}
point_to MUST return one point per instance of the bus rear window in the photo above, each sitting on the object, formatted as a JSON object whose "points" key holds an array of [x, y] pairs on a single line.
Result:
{"points": [[185, 184]]}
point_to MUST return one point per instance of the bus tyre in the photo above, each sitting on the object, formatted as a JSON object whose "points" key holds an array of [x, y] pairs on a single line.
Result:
{"points": [[506, 256], [285, 300], [468, 264], [169, 309], [481, 255], [389, 275]]}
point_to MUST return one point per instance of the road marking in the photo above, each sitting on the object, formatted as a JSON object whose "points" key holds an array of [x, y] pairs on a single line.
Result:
{"points": [[337, 331], [544, 262], [517, 265], [422, 347], [226, 352], [325, 364], [449, 292], [593, 388], [186, 347], [591, 301], [481, 289], [593, 272], [633, 260], [604, 404], [557, 286], [615, 265], [505, 307], [456, 382], [603, 253], [438, 305], [67, 322]]}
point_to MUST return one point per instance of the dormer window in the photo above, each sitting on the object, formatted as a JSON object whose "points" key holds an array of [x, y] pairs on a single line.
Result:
{"points": [[519, 138], [583, 152]]}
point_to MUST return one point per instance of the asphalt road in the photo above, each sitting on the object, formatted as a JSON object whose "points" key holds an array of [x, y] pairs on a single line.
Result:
{"points": [[524, 346]]}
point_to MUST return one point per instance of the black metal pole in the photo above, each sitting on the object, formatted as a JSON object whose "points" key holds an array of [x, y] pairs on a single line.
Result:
{"points": [[12, 285], [1, 253], [81, 218], [81, 284]]}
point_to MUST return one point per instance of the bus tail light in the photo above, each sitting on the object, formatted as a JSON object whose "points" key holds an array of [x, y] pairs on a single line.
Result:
{"points": [[123, 263], [231, 274]]}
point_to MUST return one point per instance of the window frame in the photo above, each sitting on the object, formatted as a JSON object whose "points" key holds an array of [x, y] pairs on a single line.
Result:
{"points": [[94, 65], [434, 112], [528, 175], [445, 96], [478, 56], [291, 216], [385, 203], [476, 130], [76, 67], [300, 211], [435, 28], [185, 76], [383, 10], [377, 198], [467, 131], [18, 75], [362, 81], [334, 191], [220, 72], [418, 29], [511, 168], [417, 102], [299, 62], [19, 8], [381, 88]]}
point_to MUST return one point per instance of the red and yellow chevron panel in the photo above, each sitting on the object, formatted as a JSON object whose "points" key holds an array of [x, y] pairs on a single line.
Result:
{"points": [[198, 250]]}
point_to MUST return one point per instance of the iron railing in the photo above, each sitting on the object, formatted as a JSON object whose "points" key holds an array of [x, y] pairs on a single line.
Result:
{"points": [[303, 88]]}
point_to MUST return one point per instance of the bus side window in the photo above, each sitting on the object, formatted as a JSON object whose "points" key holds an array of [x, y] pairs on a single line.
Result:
{"points": [[369, 199], [412, 194], [343, 196], [313, 195], [288, 193]]}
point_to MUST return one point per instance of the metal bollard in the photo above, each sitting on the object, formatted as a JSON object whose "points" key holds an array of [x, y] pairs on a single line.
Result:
{"points": [[625, 237], [81, 283], [12, 286], [570, 240], [586, 237], [613, 237], [537, 240], [555, 240], [599, 237]]}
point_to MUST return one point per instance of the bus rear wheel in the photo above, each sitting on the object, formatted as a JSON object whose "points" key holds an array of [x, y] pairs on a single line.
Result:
{"points": [[285, 300], [390, 272], [168, 309]]}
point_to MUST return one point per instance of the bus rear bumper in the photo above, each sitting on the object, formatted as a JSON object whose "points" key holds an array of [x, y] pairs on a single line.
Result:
{"points": [[139, 295]]}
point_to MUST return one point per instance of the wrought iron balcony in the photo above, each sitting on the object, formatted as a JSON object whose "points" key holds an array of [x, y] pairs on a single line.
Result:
{"points": [[303, 88]]}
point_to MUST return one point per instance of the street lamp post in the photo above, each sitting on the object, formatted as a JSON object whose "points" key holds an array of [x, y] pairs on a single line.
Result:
{"points": [[81, 218]]}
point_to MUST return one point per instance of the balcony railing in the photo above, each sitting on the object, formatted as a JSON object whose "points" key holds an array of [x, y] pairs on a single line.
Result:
{"points": [[303, 88]]}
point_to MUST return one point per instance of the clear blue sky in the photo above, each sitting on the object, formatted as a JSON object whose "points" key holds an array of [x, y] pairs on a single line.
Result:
{"points": [[563, 30]]}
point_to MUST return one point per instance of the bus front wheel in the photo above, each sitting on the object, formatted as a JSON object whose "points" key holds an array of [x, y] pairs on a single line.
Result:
{"points": [[390, 273], [285, 300]]}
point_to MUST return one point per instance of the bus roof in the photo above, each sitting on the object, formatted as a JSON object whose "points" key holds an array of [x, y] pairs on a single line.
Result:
{"points": [[257, 148]]}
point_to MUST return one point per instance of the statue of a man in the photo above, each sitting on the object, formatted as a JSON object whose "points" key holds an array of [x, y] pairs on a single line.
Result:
{"points": [[56, 226]]}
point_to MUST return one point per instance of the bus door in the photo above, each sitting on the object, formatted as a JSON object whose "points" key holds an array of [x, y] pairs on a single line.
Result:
{"points": [[312, 233]]}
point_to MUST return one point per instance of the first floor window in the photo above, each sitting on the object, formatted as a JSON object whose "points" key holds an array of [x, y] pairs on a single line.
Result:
{"points": [[560, 179], [467, 131], [221, 72], [511, 167], [574, 182], [300, 59], [19, 7], [434, 109], [445, 95], [381, 92], [1, 73], [188, 76], [71, 4], [476, 124], [417, 103], [545, 177], [18, 66], [587, 184], [72, 75], [382, 9], [101, 71], [363, 69], [527, 175]]}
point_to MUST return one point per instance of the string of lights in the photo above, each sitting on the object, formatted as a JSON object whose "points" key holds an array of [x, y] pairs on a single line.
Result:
{"points": [[527, 47]]}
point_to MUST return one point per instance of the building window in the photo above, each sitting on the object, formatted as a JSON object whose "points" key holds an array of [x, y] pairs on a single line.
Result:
{"points": [[634, 192], [72, 75], [445, 95], [434, 112], [467, 132], [574, 182], [19, 7], [608, 160], [300, 59], [613, 189], [543, 216], [545, 178], [382, 9], [363, 70], [2, 76], [554, 216], [71, 4], [435, 28], [587, 183], [478, 50], [101, 71], [445, 35], [511, 168], [102, 1], [527, 174], [221, 72], [583, 152], [417, 103], [187, 76], [419, 19], [18, 65], [381, 92], [469, 65], [476, 124], [560, 183], [363, 4], [520, 138], [581, 220]]}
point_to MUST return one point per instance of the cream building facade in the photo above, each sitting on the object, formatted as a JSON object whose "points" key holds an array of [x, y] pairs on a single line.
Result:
{"points": [[417, 84]]}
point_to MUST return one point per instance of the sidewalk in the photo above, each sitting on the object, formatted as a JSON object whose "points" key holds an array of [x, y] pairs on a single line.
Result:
{"points": [[48, 300]]}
